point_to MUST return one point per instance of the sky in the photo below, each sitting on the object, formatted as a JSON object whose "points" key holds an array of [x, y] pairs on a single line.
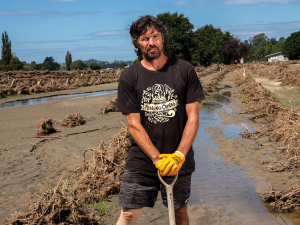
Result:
{"points": [[100, 29]]}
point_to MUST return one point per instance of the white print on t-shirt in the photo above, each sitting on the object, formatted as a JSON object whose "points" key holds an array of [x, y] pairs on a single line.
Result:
{"points": [[159, 103]]}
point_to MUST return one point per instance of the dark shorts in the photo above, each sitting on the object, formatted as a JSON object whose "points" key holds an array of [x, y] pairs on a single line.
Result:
{"points": [[140, 190]]}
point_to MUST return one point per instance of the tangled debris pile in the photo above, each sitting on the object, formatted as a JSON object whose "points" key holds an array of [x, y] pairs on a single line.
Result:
{"points": [[73, 120], [202, 71], [51, 208], [280, 71], [281, 201], [45, 127], [101, 175], [96, 178], [26, 82], [281, 125], [111, 106], [212, 84]]}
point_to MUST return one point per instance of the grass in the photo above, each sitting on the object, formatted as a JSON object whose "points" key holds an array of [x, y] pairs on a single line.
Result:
{"points": [[8, 96], [102, 206], [279, 101], [291, 92]]}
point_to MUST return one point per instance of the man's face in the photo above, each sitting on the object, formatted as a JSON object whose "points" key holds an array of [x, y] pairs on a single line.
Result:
{"points": [[151, 44]]}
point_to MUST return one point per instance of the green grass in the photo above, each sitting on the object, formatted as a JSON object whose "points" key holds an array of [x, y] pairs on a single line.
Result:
{"points": [[102, 206], [8, 96], [291, 92], [280, 102]]}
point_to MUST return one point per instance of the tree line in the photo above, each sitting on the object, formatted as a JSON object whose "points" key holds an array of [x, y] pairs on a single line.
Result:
{"points": [[203, 46]]}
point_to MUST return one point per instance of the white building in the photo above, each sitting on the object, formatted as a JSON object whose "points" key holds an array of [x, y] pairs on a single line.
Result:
{"points": [[278, 56]]}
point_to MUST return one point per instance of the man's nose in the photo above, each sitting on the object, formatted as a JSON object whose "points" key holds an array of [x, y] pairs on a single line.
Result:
{"points": [[151, 41]]}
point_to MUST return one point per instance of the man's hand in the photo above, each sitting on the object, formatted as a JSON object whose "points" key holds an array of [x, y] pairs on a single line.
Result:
{"points": [[161, 164], [172, 164]]}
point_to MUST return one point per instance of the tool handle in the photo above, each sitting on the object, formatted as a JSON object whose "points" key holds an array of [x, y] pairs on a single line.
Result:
{"points": [[169, 189]]}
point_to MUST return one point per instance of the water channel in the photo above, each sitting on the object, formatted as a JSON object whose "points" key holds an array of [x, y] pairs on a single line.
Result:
{"points": [[224, 185], [47, 99]]}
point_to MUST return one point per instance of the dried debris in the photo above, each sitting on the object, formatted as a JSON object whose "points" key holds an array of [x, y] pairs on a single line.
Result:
{"points": [[101, 175], [111, 106], [73, 120], [45, 127]]}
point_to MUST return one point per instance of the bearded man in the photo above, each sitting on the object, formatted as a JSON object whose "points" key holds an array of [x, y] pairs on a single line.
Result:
{"points": [[159, 96]]}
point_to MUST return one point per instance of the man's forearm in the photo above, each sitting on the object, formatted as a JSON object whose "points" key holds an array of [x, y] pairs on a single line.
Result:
{"points": [[142, 139]]}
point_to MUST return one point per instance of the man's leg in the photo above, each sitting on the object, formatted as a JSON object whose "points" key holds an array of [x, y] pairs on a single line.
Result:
{"points": [[181, 216], [129, 216]]}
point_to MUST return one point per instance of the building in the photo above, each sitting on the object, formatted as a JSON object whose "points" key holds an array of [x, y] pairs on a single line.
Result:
{"points": [[278, 56]]}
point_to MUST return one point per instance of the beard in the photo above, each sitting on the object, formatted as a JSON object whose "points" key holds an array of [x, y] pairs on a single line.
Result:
{"points": [[151, 56]]}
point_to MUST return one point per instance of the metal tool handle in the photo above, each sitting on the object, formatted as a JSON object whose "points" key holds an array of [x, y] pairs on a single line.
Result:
{"points": [[169, 189]]}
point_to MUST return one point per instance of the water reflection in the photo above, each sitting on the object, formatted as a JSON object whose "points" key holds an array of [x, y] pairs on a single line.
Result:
{"points": [[46, 99]]}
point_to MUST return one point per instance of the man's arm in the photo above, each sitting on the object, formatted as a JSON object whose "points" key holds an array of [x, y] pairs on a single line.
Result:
{"points": [[141, 137], [190, 129]]}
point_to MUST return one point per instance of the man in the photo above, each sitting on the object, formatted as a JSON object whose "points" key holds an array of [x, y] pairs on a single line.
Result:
{"points": [[159, 97]]}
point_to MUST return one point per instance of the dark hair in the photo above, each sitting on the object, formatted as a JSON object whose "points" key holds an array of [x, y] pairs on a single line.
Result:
{"points": [[140, 26]]}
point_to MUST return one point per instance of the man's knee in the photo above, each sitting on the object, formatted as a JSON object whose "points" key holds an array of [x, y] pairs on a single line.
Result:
{"points": [[181, 213], [129, 216]]}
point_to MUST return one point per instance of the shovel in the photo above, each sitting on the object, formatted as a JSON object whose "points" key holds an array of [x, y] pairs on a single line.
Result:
{"points": [[169, 189]]}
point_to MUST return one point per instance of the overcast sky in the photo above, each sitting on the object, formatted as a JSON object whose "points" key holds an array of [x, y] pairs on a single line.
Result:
{"points": [[99, 28]]}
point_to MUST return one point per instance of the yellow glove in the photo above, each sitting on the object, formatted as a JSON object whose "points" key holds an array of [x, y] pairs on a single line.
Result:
{"points": [[160, 164], [172, 164]]}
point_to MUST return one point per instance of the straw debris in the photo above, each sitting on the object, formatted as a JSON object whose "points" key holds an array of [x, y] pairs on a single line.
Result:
{"points": [[45, 127], [111, 106], [73, 120]]}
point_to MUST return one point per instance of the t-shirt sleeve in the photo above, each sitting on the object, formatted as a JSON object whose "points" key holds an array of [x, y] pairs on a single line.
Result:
{"points": [[127, 99], [194, 89]]}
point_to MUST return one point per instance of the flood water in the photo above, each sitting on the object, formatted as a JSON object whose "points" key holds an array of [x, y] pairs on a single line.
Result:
{"points": [[47, 99], [217, 182]]}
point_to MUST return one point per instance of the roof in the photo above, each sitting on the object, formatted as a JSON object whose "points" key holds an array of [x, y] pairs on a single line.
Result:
{"points": [[274, 54]]}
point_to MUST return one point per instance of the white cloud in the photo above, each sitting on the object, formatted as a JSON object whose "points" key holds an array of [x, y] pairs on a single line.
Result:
{"points": [[271, 29], [109, 33], [181, 3], [48, 14], [19, 12]]}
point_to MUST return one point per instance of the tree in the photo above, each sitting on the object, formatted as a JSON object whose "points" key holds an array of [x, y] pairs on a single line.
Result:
{"points": [[291, 47], [68, 61], [95, 66], [78, 65], [15, 63], [50, 64], [209, 45], [180, 30], [260, 40], [122, 64], [233, 50], [6, 49]]}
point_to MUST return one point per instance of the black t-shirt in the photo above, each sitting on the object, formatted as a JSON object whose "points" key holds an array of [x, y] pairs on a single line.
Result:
{"points": [[160, 98]]}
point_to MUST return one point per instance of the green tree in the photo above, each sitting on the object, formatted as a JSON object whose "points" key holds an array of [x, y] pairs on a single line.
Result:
{"points": [[50, 64], [95, 66], [15, 63], [291, 47], [122, 64], [78, 65], [260, 40], [208, 42], [6, 49], [68, 61], [278, 47], [269, 49], [180, 30]]}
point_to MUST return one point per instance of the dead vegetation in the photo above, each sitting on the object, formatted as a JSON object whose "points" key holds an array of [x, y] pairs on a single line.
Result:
{"points": [[281, 125], [279, 71], [202, 71], [99, 176], [26, 82], [73, 120], [45, 127], [111, 106]]}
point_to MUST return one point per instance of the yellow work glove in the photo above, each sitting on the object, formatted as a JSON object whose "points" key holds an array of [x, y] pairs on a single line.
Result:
{"points": [[172, 164], [160, 164]]}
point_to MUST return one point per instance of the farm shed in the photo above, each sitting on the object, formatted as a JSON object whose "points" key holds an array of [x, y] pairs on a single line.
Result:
{"points": [[278, 56]]}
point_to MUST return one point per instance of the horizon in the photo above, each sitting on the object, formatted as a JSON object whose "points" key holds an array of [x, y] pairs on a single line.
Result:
{"points": [[40, 29]]}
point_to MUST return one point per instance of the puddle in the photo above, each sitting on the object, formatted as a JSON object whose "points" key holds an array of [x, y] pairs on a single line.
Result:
{"points": [[226, 186], [46, 99]]}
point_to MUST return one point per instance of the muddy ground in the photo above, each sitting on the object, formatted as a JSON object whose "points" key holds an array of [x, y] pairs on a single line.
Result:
{"points": [[30, 165]]}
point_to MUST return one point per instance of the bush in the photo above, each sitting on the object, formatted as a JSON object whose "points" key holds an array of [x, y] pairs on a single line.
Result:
{"points": [[78, 65], [95, 66]]}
